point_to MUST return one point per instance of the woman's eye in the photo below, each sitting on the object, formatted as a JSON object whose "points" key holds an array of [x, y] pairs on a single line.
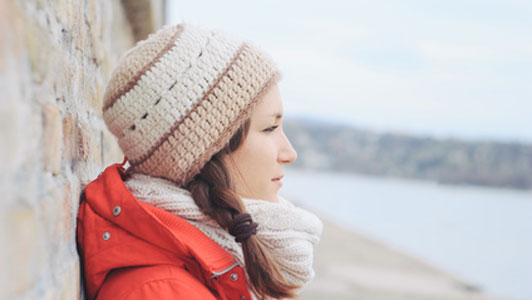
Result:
{"points": [[271, 128]]}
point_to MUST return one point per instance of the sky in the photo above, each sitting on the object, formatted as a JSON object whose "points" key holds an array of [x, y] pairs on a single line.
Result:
{"points": [[448, 69]]}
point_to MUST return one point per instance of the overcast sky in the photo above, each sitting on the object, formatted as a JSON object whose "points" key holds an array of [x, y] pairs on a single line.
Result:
{"points": [[442, 68]]}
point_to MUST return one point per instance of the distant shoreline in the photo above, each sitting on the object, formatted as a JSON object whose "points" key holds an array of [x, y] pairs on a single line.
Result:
{"points": [[325, 146]]}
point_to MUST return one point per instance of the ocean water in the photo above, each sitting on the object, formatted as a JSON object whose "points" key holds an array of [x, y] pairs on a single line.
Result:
{"points": [[482, 235]]}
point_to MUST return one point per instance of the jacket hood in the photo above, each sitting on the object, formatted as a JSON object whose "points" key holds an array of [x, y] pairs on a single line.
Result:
{"points": [[116, 230]]}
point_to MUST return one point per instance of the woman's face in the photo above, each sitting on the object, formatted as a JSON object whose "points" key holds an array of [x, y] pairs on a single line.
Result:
{"points": [[265, 151]]}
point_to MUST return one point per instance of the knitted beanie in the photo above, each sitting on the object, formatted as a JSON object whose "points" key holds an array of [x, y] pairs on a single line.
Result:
{"points": [[177, 98]]}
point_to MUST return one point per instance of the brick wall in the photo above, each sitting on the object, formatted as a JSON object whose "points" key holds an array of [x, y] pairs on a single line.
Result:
{"points": [[55, 58]]}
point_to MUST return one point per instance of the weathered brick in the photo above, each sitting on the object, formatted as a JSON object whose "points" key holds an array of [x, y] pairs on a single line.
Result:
{"points": [[51, 138], [89, 144], [95, 95], [38, 46], [22, 234], [68, 220], [70, 138]]}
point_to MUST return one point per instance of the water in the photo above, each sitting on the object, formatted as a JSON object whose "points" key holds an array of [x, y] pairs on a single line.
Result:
{"points": [[482, 235]]}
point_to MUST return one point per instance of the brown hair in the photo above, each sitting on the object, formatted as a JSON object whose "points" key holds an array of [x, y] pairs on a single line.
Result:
{"points": [[213, 192]]}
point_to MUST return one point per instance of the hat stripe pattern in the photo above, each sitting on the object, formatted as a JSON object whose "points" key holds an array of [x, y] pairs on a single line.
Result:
{"points": [[154, 83], [133, 81], [187, 101], [180, 84]]}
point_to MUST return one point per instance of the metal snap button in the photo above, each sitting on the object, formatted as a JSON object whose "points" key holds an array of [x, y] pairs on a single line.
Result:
{"points": [[117, 210], [106, 236], [233, 276], [242, 297]]}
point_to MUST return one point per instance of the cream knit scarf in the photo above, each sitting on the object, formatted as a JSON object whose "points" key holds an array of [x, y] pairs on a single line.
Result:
{"points": [[289, 232]]}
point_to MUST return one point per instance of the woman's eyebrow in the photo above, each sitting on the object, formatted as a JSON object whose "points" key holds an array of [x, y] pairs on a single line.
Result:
{"points": [[277, 115]]}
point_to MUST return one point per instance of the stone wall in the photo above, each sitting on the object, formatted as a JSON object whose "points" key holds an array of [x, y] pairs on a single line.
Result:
{"points": [[55, 59]]}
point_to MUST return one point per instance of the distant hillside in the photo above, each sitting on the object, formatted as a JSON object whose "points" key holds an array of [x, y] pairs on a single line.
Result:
{"points": [[325, 146]]}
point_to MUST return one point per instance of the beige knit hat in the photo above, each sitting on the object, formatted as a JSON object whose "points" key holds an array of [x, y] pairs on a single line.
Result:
{"points": [[177, 98]]}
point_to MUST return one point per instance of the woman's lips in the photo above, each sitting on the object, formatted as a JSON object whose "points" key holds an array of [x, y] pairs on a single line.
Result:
{"points": [[278, 180]]}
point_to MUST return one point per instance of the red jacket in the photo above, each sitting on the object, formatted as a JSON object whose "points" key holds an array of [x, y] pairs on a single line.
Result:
{"points": [[132, 250]]}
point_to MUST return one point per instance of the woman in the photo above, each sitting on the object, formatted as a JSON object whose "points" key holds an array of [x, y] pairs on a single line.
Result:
{"points": [[196, 215]]}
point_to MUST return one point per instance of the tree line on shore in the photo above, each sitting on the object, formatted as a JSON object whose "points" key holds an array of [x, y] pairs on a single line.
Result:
{"points": [[335, 147]]}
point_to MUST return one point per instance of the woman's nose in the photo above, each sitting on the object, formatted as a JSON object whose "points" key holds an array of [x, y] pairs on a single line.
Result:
{"points": [[287, 153]]}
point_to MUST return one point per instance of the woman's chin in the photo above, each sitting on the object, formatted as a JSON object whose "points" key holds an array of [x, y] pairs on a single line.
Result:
{"points": [[273, 198]]}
